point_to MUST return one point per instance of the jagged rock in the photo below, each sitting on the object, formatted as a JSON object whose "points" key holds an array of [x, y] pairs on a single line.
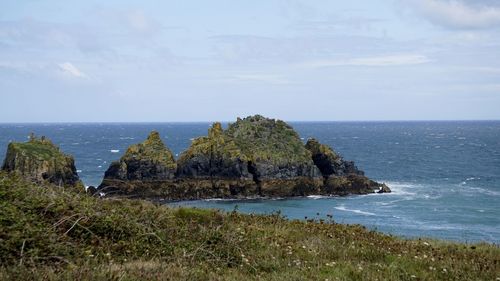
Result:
{"points": [[352, 184], [40, 161], [143, 163], [280, 164], [149, 160], [341, 177], [329, 162], [216, 162]]}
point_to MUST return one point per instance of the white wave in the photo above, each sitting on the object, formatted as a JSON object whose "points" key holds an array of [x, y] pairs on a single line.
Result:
{"points": [[78, 171], [315, 197], [114, 150], [343, 208], [399, 188], [484, 191]]}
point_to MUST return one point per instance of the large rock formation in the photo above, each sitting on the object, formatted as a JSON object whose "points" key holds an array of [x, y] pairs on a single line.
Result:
{"points": [[254, 156], [40, 161]]}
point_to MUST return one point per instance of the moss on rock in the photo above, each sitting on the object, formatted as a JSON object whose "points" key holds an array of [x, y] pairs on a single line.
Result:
{"points": [[39, 160], [270, 140], [149, 160]]}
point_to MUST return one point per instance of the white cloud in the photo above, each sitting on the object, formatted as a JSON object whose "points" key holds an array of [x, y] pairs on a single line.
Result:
{"points": [[458, 14], [387, 60], [72, 70]]}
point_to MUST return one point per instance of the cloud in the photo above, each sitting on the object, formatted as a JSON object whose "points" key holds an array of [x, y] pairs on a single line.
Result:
{"points": [[71, 70], [459, 14], [386, 60]]}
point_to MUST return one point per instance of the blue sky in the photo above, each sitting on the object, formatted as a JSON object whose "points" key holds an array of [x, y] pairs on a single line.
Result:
{"points": [[98, 61]]}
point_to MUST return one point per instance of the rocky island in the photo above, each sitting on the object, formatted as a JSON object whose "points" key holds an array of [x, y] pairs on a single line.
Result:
{"points": [[253, 157], [40, 161]]}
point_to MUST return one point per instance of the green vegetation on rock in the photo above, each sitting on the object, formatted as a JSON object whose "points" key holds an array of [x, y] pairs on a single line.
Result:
{"points": [[264, 139], [54, 234], [40, 160], [152, 149], [215, 144]]}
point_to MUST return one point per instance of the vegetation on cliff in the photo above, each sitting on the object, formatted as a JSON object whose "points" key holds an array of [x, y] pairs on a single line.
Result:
{"points": [[216, 143], [152, 149], [264, 139], [149, 160], [53, 234], [40, 160]]}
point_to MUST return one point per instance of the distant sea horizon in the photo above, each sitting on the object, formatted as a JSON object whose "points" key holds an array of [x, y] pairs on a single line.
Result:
{"points": [[445, 174], [230, 121]]}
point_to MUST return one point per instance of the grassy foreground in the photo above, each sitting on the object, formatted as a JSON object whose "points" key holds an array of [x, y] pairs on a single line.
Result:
{"points": [[47, 233]]}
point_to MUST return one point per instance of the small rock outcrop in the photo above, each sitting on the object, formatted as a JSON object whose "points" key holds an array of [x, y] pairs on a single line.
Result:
{"points": [[255, 156], [40, 161], [341, 177], [141, 166], [329, 162]]}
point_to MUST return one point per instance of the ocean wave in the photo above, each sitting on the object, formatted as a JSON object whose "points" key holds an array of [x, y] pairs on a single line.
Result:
{"points": [[399, 188], [343, 208], [315, 197], [483, 191], [218, 199], [114, 150]]}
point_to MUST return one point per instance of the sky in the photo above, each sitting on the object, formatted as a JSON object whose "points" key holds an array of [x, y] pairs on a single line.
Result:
{"points": [[296, 60]]}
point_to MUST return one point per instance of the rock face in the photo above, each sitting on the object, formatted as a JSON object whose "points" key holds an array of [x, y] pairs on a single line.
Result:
{"points": [[40, 161], [328, 162], [254, 156], [341, 177], [141, 167], [217, 166], [277, 158]]}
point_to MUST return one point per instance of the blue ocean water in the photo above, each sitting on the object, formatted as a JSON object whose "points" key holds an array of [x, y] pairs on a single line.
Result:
{"points": [[445, 176]]}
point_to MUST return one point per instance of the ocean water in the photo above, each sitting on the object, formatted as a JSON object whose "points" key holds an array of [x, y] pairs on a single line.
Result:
{"points": [[445, 176]]}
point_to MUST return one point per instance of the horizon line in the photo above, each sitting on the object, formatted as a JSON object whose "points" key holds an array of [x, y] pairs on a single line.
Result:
{"points": [[226, 121]]}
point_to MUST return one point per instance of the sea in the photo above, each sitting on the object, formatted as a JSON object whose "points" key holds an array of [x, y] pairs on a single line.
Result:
{"points": [[444, 175]]}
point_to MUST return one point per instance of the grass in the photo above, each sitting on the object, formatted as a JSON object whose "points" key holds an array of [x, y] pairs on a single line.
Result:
{"points": [[49, 233], [152, 149], [38, 149], [266, 139]]}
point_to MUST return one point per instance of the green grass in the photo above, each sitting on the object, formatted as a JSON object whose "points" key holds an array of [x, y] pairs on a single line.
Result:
{"points": [[152, 149], [266, 139], [38, 149], [49, 233]]}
